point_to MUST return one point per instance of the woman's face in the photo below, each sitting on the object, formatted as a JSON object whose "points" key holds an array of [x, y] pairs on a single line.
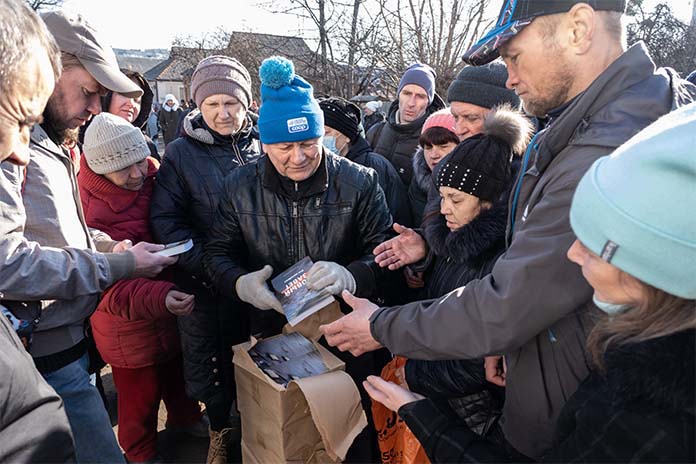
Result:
{"points": [[459, 208], [131, 177], [223, 113], [610, 283], [127, 108], [434, 153]]}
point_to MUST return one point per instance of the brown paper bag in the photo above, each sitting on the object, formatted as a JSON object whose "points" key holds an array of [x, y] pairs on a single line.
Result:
{"points": [[315, 419]]}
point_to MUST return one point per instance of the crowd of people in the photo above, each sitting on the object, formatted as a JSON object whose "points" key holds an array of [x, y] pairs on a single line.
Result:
{"points": [[519, 253]]}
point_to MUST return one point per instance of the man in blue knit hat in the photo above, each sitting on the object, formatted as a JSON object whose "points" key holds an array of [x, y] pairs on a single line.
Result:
{"points": [[299, 200], [396, 138]]}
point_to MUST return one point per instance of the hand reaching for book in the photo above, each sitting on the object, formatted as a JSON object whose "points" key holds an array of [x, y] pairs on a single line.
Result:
{"points": [[252, 288], [332, 277]]}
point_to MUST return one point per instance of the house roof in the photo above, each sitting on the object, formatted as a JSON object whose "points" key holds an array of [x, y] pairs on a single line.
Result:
{"points": [[137, 63], [171, 69]]}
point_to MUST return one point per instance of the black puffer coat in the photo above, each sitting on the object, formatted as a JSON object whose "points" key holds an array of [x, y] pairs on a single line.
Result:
{"points": [[398, 142], [456, 258], [360, 152], [642, 410], [188, 187]]}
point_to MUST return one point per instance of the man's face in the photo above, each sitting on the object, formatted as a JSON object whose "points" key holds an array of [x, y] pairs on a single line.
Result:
{"points": [[295, 160], [413, 101], [538, 69], [22, 107], [75, 99], [468, 119]]}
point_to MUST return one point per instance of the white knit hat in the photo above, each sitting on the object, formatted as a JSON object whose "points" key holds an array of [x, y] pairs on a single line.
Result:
{"points": [[112, 143]]}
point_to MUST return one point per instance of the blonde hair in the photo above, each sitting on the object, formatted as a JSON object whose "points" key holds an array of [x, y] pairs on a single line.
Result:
{"points": [[660, 314]]}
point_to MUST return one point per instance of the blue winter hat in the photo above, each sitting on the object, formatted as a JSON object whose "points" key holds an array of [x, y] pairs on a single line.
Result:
{"points": [[289, 112], [635, 207], [421, 75]]}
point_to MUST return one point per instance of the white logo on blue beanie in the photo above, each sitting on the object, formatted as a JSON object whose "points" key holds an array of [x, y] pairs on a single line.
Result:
{"points": [[298, 125]]}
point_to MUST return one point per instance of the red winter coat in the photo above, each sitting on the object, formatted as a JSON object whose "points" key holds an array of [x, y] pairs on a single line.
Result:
{"points": [[132, 326]]}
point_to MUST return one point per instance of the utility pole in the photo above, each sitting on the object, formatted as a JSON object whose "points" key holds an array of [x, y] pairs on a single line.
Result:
{"points": [[693, 13]]}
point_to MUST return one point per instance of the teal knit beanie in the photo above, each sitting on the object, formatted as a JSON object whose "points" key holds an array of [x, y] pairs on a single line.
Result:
{"points": [[289, 112], [635, 208]]}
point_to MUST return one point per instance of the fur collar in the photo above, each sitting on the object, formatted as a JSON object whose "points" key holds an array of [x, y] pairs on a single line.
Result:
{"points": [[659, 372], [485, 233], [195, 127], [421, 172]]}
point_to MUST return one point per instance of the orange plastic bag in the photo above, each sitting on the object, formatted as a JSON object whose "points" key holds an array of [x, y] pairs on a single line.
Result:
{"points": [[397, 444]]}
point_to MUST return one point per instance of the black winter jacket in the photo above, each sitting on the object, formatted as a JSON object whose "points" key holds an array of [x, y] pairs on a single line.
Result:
{"points": [[642, 410], [398, 142], [187, 190], [360, 152], [456, 258], [419, 187], [341, 217]]}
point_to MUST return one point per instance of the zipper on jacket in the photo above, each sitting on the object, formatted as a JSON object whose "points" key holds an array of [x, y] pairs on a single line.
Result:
{"points": [[238, 154], [294, 232]]}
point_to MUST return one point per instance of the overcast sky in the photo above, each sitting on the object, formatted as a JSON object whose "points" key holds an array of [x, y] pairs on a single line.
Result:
{"points": [[155, 23]]}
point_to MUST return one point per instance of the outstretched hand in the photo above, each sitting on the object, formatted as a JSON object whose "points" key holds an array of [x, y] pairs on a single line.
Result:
{"points": [[391, 395], [406, 248], [352, 331]]}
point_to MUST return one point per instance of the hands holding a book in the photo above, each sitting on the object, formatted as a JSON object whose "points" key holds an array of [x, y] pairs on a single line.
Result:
{"points": [[331, 277], [252, 288]]}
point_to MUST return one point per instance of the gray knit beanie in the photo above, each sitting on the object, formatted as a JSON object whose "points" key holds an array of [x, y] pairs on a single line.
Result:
{"points": [[221, 74], [112, 144], [483, 86]]}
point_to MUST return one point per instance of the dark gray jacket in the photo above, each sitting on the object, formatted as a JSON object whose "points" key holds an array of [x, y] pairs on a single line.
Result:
{"points": [[534, 306]]}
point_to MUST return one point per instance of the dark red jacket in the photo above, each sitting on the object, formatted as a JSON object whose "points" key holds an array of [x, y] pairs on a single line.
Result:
{"points": [[132, 326]]}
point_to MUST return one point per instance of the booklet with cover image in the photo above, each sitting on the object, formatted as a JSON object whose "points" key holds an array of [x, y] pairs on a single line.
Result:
{"points": [[298, 301]]}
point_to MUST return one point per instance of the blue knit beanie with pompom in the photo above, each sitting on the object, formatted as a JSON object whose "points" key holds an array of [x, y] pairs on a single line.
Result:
{"points": [[289, 112]]}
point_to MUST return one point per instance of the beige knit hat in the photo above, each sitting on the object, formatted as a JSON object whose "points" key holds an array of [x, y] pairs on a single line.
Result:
{"points": [[221, 74], [112, 144]]}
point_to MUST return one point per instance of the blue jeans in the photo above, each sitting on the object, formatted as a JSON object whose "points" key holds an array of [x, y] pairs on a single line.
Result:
{"points": [[94, 438]]}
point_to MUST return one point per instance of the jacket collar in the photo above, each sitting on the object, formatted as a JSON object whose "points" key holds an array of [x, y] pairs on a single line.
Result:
{"points": [[316, 184], [658, 371], [195, 127], [360, 148], [40, 137], [118, 199], [482, 235], [573, 126]]}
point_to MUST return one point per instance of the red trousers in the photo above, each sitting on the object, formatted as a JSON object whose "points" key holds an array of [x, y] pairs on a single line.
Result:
{"points": [[139, 394]]}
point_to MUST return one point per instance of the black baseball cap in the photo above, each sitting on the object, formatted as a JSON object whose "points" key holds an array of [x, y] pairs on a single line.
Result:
{"points": [[515, 15]]}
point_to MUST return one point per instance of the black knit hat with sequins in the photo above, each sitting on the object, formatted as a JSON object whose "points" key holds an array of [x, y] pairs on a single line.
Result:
{"points": [[481, 165]]}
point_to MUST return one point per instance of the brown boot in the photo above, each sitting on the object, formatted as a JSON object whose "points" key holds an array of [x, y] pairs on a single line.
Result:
{"points": [[217, 450]]}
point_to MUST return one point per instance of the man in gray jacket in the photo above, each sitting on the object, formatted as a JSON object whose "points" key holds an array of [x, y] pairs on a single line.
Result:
{"points": [[568, 62], [46, 250]]}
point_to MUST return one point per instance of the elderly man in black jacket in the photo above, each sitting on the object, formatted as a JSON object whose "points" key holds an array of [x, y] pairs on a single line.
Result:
{"points": [[299, 200]]}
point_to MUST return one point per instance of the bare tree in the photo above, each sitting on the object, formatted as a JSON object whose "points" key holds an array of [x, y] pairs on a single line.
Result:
{"points": [[45, 4], [671, 41]]}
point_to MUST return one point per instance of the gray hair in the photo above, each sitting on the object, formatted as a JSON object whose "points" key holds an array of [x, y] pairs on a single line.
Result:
{"points": [[20, 30]]}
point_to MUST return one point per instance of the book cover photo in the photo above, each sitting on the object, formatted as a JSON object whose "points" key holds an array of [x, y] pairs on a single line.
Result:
{"points": [[297, 300]]}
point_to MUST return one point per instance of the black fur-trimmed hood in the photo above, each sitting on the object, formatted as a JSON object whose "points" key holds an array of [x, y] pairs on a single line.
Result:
{"points": [[660, 372], [422, 174], [480, 237]]}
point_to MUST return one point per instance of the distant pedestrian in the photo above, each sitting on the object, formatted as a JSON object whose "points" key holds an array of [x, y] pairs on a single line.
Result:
{"points": [[372, 115], [168, 118]]}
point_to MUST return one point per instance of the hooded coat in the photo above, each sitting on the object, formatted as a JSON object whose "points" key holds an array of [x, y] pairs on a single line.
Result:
{"points": [[398, 142], [168, 119], [419, 187], [132, 327], [187, 191]]}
